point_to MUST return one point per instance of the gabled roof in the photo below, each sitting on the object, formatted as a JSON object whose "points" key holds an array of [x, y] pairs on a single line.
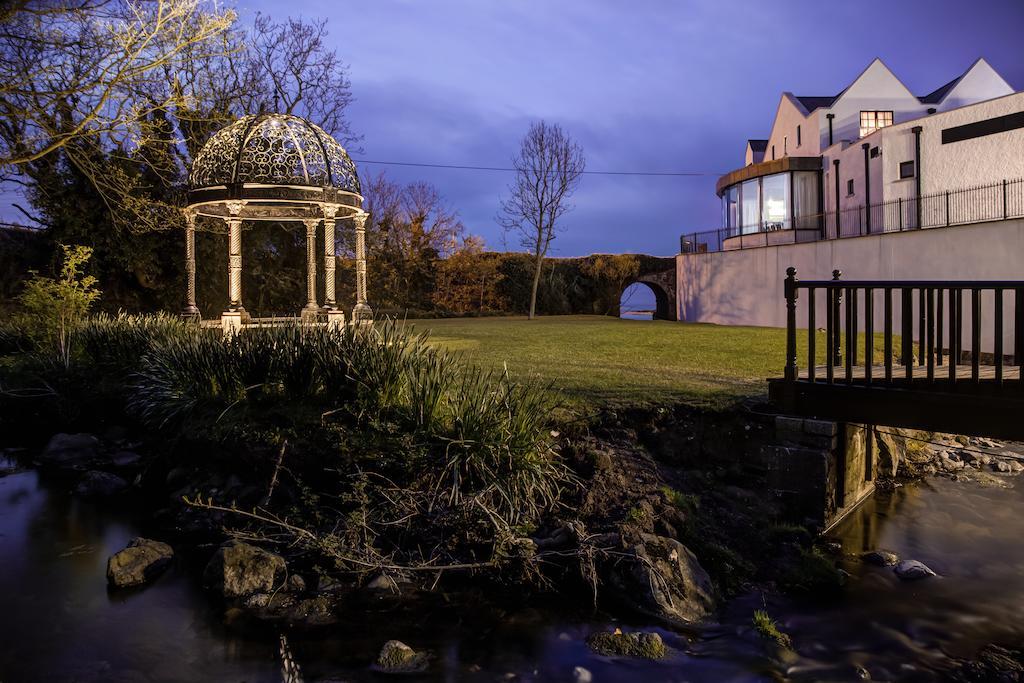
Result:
{"points": [[812, 102], [936, 96], [758, 145]]}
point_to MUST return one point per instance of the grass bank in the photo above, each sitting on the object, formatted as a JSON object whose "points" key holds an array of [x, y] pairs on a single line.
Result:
{"points": [[610, 361]]}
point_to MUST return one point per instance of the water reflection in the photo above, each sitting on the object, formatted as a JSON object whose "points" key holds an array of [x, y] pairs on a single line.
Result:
{"points": [[60, 623], [969, 533]]}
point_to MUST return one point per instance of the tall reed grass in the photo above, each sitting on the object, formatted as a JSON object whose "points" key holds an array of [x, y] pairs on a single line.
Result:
{"points": [[485, 437]]}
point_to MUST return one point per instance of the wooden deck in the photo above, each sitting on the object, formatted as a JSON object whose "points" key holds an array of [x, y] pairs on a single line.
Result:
{"points": [[962, 328], [919, 373], [982, 407]]}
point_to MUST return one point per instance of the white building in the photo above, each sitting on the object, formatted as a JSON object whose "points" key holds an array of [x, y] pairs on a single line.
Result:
{"points": [[874, 182], [881, 155]]}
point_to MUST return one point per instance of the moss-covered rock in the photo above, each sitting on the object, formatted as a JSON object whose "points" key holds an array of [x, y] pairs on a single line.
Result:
{"points": [[397, 657], [658, 576], [238, 569], [618, 644]]}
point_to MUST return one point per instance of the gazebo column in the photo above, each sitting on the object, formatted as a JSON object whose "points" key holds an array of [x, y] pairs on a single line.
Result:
{"points": [[311, 309], [335, 317], [232, 319], [361, 313], [191, 311]]}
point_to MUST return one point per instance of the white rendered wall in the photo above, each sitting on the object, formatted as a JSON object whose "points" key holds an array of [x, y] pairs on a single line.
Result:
{"points": [[877, 89], [981, 82], [744, 287], [787, 117], [957, 165]]}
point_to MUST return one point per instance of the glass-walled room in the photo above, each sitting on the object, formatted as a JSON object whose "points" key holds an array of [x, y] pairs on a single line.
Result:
{"points": [[780, 201]]}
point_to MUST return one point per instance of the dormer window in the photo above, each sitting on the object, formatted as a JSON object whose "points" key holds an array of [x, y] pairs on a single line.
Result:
{"points": [[870, 121]]}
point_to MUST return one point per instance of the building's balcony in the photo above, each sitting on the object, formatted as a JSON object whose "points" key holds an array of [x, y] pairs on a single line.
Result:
{"points": [[994, 202]]}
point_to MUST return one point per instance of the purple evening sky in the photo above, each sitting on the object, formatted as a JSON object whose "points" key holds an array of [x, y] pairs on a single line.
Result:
{"points": [[646, 85]]}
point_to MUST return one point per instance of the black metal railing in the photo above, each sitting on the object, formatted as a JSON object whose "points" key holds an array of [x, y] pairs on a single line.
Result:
{"points": [[997, 201], [929, 344]]}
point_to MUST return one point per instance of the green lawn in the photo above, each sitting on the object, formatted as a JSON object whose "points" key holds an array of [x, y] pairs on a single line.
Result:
{"points": [[607, 360]]}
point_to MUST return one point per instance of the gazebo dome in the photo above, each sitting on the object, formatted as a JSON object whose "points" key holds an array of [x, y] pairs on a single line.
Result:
{"points": [[278, 168], [274, 149]]}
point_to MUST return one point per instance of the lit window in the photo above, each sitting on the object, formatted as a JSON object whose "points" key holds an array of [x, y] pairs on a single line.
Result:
{"points": [[870, 121], [906, 169], [849, 187]]}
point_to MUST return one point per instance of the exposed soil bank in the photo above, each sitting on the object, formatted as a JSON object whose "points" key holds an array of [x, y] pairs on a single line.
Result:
{"points": [[670, 522]]}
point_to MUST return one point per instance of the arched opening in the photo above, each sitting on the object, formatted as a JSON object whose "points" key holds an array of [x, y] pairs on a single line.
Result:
{"points": [[643, 301]]}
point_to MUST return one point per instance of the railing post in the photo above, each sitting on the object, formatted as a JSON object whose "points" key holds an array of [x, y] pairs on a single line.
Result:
{"points": [[1006, 213], [947, 208], [790, 291], [837, 352], [901, 213]]}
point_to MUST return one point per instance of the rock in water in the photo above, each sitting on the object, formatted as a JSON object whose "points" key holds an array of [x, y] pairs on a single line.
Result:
{"points": [[140, 562], [238, 569], [397, 657], [619, 644], [97, 484], [910, 570], [660, 577], [881, 558], [581, 675], [69, 452]]}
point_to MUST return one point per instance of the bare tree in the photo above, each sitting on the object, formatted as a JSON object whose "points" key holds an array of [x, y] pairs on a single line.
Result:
{"points": [[70, 70], [548, 169]]}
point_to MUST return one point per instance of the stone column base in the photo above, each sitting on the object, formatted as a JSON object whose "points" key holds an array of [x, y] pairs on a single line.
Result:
{"points": [[335, 319], [362, 315], [231, 322], [310, 316], [191, 314]]}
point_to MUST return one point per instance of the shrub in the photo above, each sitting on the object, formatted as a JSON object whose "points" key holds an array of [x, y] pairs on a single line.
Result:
{"points": [[54, 307]]}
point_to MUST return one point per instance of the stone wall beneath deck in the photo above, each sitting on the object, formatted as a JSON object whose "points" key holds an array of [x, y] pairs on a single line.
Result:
{"points": [[744, 286], [820, 469]]}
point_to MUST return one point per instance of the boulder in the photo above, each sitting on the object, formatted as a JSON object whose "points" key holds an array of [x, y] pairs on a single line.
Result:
{"points": [[238, 569], [97, 484], [138, 563], [126, 459], [912, 570], [660, 577], [397, 657], [881, 558], [581, 675], [70, 452], [618, 644]]}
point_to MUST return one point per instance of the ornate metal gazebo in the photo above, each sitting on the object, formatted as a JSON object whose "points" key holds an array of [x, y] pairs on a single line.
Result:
{"points": [[276, 167]]}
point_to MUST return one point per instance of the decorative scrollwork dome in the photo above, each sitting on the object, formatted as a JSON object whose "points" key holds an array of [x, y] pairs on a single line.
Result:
{"points": [[274, 149]]}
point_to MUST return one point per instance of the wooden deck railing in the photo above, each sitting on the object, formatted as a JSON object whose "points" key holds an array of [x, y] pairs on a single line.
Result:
{"points": [[929, 345]]}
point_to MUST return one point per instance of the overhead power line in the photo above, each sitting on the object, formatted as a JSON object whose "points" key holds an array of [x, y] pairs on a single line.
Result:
{"points": [[503, 168]]}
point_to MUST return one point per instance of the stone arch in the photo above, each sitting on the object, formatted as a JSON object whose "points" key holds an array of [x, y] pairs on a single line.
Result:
{"points": [[663, 284]]}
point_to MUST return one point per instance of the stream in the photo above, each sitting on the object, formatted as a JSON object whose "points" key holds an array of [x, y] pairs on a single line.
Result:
{"points": [[58, 622]]}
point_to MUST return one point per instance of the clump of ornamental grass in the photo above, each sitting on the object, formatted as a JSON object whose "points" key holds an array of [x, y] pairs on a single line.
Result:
{"points": [[117, 343], [478, 446]]}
